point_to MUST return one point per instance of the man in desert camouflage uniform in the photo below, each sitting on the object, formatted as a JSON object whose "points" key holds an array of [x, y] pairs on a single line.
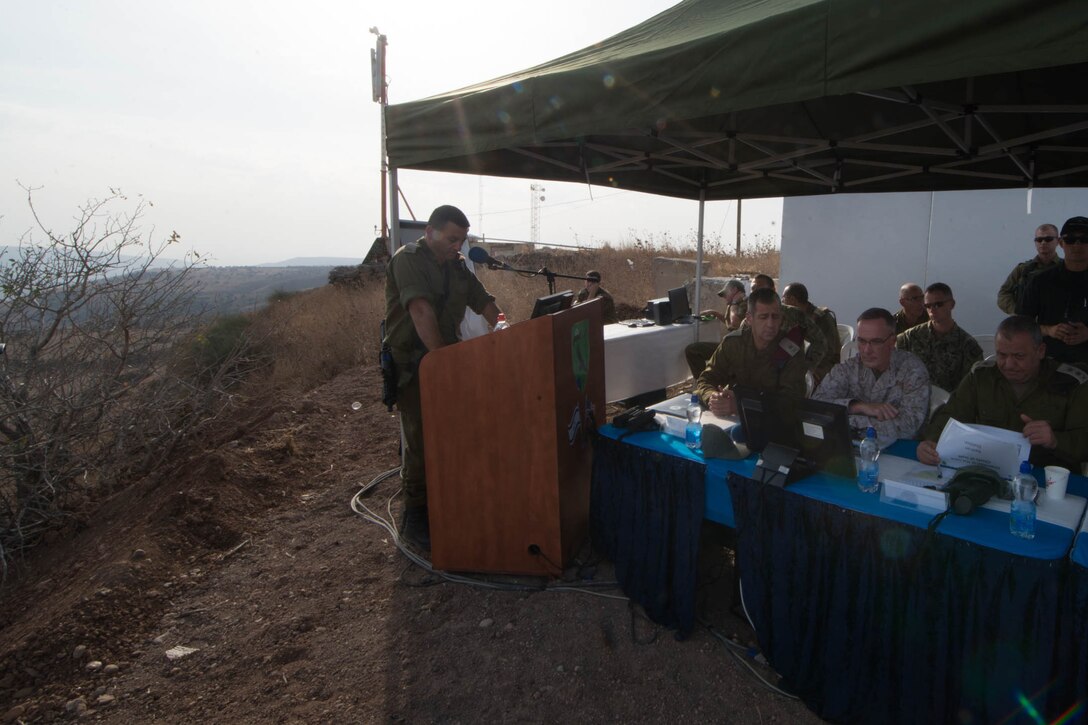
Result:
{"points": [[946, 349], [881, 387], [1024, 391]]}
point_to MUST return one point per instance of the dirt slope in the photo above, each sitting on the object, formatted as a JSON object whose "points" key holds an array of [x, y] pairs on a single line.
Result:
{"points": [[300, 611]]}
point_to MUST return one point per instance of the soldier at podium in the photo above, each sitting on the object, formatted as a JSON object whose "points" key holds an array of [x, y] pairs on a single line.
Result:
{"points": [[427, 289]]}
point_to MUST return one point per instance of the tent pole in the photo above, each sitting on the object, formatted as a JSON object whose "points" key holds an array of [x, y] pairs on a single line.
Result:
{"points": [[699, 265], [738, 227], [394, 209]]}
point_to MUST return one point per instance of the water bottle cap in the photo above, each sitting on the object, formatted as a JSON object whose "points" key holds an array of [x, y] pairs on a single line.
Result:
{"points": [[694, 399], [1025, 467], [870, 432], [502, 317]]}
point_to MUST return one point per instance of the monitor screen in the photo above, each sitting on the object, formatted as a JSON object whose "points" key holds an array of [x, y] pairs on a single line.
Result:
{"points": [[818, 430], [678, 302], [552, 303]]}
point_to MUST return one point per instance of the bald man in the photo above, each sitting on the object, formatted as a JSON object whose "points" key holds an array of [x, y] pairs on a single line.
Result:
{"points": [[912, 308]]}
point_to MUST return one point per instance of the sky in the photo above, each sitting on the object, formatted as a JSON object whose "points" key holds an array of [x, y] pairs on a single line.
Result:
{"points": [[252, 129]]}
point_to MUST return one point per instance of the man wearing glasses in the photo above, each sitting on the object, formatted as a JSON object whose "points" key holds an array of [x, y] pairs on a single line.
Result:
{"points": [[881, 387], [946, 349], [1058, 298], [1046, 248], [912, 311]]}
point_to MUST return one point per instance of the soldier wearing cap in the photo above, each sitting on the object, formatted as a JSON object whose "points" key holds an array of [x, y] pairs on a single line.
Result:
{"points": [[946, 349], [1021, 390], [1057, 298], [592, 291], [1046, 248], [761, 355], [736, 307]]}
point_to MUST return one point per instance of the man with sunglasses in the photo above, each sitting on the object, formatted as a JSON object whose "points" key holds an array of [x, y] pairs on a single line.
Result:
{"points": [[881, 386], [946, 349], [1058, 298], [1046, 256]]}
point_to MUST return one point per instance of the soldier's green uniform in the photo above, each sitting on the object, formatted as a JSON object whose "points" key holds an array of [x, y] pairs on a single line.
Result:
{"points": [[779, 367], [1058, 395], [948, 357], [1008, 296], [697, 353], [902, 324], [825, 321], [737, 311], [415, 273], [608, 313]]}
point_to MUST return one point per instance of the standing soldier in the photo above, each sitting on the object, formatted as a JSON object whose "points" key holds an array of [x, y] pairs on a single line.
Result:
{"points": [[1046, 248], [427, 290]]}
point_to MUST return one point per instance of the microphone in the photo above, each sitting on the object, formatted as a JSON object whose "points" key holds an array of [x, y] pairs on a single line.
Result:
{"points": [[479, 255]]}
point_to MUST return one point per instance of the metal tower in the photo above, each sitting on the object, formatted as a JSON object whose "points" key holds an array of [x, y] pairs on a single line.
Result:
{"points": [[536, 195]]}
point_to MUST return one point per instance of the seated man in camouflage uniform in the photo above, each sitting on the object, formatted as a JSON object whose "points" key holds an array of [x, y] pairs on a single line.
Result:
{"points": [[881, 387], [1046, 248], [761, 355], [945, 347], [796, 296], [912, 311], [1025, 391], [736, 307], [817, 343]]}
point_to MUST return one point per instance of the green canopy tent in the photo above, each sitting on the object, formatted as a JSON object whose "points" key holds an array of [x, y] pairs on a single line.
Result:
{"points": [[735, 99]]}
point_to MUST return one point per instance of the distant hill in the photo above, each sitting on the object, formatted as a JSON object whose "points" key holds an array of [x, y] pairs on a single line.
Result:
{"points": [[231, 290], [314, 262]]}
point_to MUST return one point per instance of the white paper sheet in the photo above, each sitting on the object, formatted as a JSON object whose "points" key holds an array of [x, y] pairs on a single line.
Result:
{"points": [[1002, 450]]}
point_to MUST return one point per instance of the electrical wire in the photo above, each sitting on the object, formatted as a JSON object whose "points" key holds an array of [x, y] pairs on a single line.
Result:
{"points": [[390, 526]]}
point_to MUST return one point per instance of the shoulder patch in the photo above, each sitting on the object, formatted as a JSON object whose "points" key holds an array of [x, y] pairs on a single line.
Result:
{"points": [[1074, 372]]}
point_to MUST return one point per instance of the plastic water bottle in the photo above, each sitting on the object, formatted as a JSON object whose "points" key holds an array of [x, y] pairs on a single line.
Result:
{"points": [[1022, 512], [869, 468], [693, 431], [501, 323]]}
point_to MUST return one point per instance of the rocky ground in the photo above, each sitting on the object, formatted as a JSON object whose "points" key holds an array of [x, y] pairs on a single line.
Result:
{"points": [[238, 585]]}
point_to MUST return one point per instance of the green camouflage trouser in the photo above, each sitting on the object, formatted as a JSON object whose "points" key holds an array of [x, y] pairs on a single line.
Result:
{"points": [[412, 471]]}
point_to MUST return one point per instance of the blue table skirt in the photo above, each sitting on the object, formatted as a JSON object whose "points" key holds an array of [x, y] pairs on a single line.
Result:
{"points": [[984, 527], [874, 620], [646, 509]]}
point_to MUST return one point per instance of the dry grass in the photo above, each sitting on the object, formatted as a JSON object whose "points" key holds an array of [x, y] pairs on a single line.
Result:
{"points": [[626, 272], [310, 337]]}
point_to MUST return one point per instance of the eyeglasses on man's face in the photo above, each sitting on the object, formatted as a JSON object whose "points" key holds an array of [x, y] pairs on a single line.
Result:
{"points": [[936, 305], [1048, 238], [873, 341]]}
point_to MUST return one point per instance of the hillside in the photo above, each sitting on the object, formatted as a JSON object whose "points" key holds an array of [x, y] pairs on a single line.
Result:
{"points": [[231, 290]]}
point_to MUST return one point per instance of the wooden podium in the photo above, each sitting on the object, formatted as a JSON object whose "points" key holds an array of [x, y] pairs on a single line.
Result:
{"points": [[506, 428]]}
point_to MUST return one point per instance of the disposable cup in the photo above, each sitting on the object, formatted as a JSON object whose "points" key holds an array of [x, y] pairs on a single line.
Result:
{"points": [[1056, 480]]}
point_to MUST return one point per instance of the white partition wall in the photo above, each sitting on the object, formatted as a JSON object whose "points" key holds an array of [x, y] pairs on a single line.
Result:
{"points": [[853, 251]]}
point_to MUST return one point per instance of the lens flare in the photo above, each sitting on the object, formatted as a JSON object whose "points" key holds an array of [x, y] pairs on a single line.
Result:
{"points": [[504, 116], [609, 80]]}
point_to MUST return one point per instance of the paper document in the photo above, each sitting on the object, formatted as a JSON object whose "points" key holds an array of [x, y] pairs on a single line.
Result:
{"points": [[982, 445]]}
